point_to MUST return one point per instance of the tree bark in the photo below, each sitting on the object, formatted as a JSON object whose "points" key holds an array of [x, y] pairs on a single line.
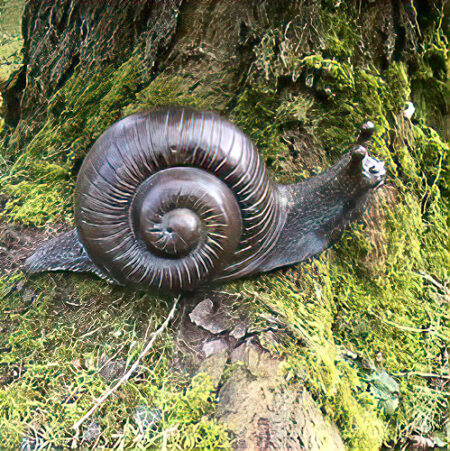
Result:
{"points": [[226, 56]]}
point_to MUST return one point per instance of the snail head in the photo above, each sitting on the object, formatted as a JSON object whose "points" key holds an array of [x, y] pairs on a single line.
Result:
{"points": [[371, 171], [360, 171]]}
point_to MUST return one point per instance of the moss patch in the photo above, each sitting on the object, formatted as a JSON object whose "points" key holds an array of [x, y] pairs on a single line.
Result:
{"points": [[61, 336], [10, 37], [381, 293]]}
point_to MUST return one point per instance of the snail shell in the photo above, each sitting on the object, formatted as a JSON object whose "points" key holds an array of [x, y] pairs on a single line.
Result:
{"points": [[174, 198]]}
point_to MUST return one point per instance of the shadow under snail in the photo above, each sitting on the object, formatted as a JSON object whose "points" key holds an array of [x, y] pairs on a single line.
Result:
{"points": [[177, 198]]}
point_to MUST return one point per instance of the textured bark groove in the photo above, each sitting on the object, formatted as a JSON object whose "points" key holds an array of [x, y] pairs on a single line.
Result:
{"points": [[64, 34]]}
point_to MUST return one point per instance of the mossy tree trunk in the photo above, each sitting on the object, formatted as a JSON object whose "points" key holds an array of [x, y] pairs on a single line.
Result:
{"points": [[299, 77]]}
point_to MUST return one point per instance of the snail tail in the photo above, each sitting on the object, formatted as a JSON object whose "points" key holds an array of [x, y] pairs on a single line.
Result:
{"points": [[62, 253]]}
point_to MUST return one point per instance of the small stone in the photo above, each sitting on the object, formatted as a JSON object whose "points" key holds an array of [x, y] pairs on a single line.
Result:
{"points": [[419, 443], [213, 347], [111, 370], [347, 353], [28, 296], [201, 311], [257, 360], [204, 317], [385, 389], [214, 367], [238, 353], [239, 331]]}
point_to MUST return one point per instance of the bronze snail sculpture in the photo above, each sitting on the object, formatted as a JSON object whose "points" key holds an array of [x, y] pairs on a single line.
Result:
{"points": [[176, 198]]}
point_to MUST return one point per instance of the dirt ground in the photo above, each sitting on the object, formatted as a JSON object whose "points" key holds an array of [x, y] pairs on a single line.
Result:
{"points": [[17, 243]]}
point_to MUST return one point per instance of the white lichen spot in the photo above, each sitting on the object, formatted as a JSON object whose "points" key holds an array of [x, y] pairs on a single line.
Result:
{"points": [[409, 110]]}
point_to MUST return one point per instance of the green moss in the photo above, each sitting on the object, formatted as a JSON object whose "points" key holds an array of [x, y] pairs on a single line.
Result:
{"points": [[305, 301], [380, 293], [36, 179], [176, 90], [429, 75], [58, 331], [36, 203], [386, 308], [371, 295], [10, 38]]}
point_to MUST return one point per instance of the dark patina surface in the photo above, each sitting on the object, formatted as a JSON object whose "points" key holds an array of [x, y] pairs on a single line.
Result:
{"points": [[176, 198]]}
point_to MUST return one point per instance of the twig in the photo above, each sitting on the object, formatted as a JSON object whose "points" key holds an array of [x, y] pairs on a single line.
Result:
{"points": [[418, 373], [433, 281], [405, 328], [126, 376]]}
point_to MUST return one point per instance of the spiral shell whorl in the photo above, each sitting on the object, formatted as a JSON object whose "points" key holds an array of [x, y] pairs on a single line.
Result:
{"points": [[210, 209]]}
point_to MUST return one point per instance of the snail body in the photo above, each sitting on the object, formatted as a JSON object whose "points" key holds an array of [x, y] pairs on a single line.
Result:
{"points": [[176, 198]]}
